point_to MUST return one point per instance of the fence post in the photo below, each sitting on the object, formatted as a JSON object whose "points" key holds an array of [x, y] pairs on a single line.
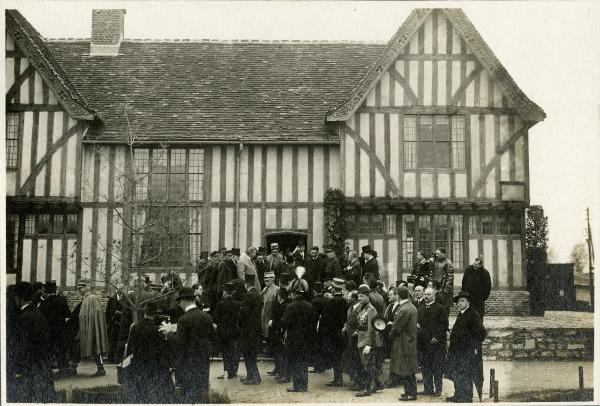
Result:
{"points": [[492, 379], [580, 378], [495, 391]]}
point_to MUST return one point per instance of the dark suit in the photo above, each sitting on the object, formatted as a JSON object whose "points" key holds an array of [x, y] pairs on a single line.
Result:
{"points": [[251, 332], [31, 359], [300, 320], [318, 356], [371, 266], [227, 272], [315, 268], [56, 310], [330, 328], [192, 347], [465, 365], [422, 272], [276, 333], [478, 283], [433, 323], [227, 319], [332, 269], [351, 355], [211, 288], [354, 272], [150, 375], [300, 258]]}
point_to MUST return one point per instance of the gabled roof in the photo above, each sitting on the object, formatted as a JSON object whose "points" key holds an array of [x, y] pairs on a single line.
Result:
{"points": [[31, 43], [527, 109], [217, 91]]}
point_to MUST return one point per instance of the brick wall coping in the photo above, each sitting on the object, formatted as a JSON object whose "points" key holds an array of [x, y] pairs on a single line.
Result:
{"points": [[551, 320]]}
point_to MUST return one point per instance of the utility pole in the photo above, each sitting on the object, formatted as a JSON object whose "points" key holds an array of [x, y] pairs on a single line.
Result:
{"points": [[590, 257]]}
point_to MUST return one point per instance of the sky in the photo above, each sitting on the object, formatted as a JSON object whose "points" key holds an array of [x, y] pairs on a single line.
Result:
{"points": [[549, 48]]}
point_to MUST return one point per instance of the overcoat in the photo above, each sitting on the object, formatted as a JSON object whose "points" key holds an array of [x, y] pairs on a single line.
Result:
{"points": [[227, 272], [250, 322], [371, 266], [433, 323], [92, 327], [403, 360], [479, 284], [464, 351], [332, 269], [269, 297], [227, 318], [353, 272], [245, 266], [422, 272], [31, 358], [276, 331], [315, 268], [56, 310], [443, 272], [331, 325], [299, 320]]}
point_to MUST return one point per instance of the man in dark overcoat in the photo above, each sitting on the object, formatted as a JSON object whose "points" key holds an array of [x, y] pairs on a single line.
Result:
{"points": [[227, 271], [251, 331], [281, 372], [318, 356], [476, 280], [227, 319], [332, 266], [315, 267], [431, 342], [353, 272], [190, 339], [443, 273], [33, 374], [371, 265], [299, 320], [422, 269], [351, 356], [389, 316], [464, 363], [56, 310], [403, 361], [330, 328], [211, 285]]}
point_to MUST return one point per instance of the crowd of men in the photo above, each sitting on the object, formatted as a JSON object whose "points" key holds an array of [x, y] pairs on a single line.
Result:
{"points": [[306, 311]]}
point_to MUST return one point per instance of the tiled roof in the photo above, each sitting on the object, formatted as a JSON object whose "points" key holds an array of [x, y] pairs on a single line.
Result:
{"points": [[31, 43], [215, 91]]}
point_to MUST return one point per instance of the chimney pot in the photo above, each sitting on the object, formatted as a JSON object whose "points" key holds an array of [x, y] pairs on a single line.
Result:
{"points": [[107, 31]]}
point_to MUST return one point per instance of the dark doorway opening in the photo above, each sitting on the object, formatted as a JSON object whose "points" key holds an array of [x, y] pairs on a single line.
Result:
{"points": [[287, 239]]}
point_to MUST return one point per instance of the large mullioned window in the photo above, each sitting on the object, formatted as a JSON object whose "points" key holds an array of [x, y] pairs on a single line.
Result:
{"points": [[12, 139]]}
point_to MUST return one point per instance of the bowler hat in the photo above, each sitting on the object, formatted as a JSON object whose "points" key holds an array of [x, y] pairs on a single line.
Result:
{"points": [[269, 275], [50, 287], [366, 248], [185, 293], [462, 294], [284, 278], [235, 251], [151, 307], [364, 289], [338, 283]]}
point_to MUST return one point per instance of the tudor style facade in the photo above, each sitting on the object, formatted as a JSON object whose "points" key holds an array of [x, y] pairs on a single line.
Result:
{"points": [[426, 136]]}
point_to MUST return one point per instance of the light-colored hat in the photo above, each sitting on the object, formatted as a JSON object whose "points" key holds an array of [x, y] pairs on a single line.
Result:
{"points": [[338, 283], [269, 275]]}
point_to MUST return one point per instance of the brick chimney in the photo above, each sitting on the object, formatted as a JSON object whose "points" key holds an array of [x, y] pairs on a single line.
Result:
{"points": [[107, 31]]}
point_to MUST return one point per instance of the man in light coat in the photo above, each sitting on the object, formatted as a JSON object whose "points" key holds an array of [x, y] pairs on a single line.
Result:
{"points": [[269, 296], [366, 343], [246, 266], [403, 361], [93, 336]]}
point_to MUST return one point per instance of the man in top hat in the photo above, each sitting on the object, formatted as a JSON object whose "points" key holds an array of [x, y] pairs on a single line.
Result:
{"points": [[227, 271], [246, 266], [364, 249], [227, 319], [465, 365], [251, 331], [31, 379], [371, 265], [366, 342], [353, 272], [92, 333], [431, 342], [191, 338], [330, 328], [476, 280], [403, 362], [56, 310], [332, 265], [269, 297], [300, 321], [275, 260], [315, 267]]}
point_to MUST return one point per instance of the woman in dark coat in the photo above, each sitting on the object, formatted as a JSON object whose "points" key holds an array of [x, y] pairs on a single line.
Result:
{"points": [[150, 377], [464, 365]]}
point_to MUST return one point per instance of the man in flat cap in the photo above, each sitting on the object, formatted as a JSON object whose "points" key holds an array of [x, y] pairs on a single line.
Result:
{"points": [[227, 319], [275, 260], [93, 341], [330, 328], [191, 338], [56, 310], [464, 362], [251, 331]]}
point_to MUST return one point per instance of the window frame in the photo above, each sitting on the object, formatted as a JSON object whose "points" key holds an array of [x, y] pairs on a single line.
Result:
{"points": [[13, 120]]}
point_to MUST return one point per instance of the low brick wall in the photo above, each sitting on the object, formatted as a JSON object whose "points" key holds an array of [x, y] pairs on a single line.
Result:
{"points": [[544, 344], [505, 303]]}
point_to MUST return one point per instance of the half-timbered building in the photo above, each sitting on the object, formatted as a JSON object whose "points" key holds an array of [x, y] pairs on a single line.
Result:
{"points": [[427, 137]]}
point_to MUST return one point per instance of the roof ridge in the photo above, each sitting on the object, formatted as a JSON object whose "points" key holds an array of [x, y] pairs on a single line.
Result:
{"points": [[228, 41]]}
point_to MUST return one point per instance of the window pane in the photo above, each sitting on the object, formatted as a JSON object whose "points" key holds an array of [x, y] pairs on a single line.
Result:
{"points": [[487, 225], [458, 142], [426, 158], [456, 232], [141, 157], [408, 239], [425, 233], [195, 229], [426, 128], [71, 224], [442, 128], [363, 224], [158, 177], [390, 220], [440, 227], [196, 181], [376, 224], [12, 240], [410, 145], [30, 224], [57, 224], [514, 225], [351, 224], [196, 161], [502, 225], [12, 139], [177, 186], [474, 225], [43, 226], [442, 154]]}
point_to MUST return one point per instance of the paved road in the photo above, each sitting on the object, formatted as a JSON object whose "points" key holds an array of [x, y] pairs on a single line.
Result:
{"points": [[513, 377]]}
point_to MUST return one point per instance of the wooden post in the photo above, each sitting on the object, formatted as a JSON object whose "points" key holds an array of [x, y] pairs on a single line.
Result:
{"points": [[69, 394], [492, 379], [580, 378], [495, 391]]}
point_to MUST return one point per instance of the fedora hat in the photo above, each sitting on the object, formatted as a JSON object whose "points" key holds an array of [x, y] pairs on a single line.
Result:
{"points": [[466, 295], [185, 293], [338, 283]]}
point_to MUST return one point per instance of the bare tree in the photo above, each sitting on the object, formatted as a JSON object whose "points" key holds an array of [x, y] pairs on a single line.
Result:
{"points": [[579, 257]]}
